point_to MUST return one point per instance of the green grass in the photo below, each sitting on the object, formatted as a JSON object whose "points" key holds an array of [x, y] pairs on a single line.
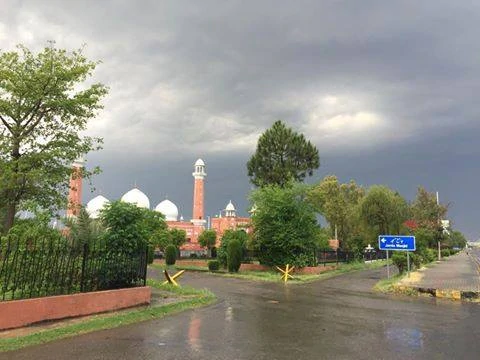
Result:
{"points": [[388, 285], [179, 267], [273, 276], [189, 298]]}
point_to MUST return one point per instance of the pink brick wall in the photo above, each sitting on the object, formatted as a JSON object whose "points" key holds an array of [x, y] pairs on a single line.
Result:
{"points": [[19, 313]]}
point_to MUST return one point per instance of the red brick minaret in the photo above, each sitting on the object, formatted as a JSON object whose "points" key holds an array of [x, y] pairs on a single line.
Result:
{"points": [[198, 193], [75, 189]]}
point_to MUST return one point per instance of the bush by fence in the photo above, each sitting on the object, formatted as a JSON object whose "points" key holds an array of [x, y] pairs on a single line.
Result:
{"points": [[36, 267]]}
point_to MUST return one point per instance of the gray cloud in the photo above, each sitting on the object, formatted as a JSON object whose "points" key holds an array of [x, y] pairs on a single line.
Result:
{"points": [[370, 82]]}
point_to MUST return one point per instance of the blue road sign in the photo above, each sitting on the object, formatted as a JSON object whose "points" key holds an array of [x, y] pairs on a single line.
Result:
{"points": [[396, 242]]}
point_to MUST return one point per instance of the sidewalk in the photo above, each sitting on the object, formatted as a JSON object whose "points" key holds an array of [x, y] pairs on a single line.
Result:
{"points": [[455, 277]]}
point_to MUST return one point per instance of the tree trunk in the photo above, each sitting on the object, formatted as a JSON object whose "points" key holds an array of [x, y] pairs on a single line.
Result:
{"points": [[10, 216]]}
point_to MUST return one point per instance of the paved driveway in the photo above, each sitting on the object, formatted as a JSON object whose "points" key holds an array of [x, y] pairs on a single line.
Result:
{"points": [[339, 318]]}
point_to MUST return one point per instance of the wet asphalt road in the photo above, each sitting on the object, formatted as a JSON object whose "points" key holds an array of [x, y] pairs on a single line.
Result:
{"points": [[339, 318]]}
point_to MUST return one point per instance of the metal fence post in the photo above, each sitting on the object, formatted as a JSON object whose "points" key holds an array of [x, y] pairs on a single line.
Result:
{"points": [[84, 266]]}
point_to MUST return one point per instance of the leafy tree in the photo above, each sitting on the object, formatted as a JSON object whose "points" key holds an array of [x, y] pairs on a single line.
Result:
{"points": [[234, 255], [285, 226], [382, 209], [456, 239], [128, 227], [161, 239], [282, 155], [83, 229], [426, 211], [227, 237], [208, 239], [179, 237], [337, 203], [43, 110]]}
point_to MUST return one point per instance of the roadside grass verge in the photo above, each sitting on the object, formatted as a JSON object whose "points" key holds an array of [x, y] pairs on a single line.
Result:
{"points": [[178, 267], [274, 276], [188, 298]]}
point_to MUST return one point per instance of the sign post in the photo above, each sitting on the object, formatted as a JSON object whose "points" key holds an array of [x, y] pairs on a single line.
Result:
{"points": [[397, 243]]}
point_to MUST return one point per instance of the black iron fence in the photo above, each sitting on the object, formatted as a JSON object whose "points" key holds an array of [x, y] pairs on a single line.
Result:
{"points": [[42, 267], [330, 256]]}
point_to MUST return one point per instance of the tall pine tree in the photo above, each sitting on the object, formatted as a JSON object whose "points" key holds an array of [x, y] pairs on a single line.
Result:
{"points": [[282, 156]]}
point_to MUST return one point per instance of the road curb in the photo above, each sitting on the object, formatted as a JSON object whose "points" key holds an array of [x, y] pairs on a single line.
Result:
{"points": [[441, 293]]}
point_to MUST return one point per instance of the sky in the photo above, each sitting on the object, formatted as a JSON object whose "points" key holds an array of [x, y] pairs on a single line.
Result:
{"points": [[387, 91]]}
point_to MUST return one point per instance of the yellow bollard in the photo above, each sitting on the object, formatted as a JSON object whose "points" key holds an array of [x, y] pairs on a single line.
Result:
{"points": [[286, 273], [171, 279]]}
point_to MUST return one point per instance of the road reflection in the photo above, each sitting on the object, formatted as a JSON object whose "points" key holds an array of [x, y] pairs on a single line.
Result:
{"points": [[410, 338], [194, 332]]}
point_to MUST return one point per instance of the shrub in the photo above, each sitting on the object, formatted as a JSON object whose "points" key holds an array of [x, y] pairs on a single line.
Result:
{"points": [[193, 256], [428, 255], [170, 255], [234, 255], [445, 252], [400, 260], [227, 237], [213, 265]]}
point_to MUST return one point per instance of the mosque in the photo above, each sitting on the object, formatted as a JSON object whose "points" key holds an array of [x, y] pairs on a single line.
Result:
{"points": [[227, 219]]}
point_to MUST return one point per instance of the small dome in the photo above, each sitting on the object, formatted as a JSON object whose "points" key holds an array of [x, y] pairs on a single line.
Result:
{"points": [[95, 205], [136, 197], [169, 209], [199, 162], [230, 206]]}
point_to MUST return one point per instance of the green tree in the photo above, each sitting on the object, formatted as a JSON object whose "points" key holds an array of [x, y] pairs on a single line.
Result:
{"points": [[234, 255], [456, 239], [208, 239], [426, 212], [337, 203], [128, 227], [161, 239], [45, 105], [227, 237], [282, 155], [179, 237], [83, 229], [382, 210], [285, 226]]}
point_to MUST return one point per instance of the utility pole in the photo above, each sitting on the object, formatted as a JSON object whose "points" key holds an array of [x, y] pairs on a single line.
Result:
{"points": [[438, 219]]}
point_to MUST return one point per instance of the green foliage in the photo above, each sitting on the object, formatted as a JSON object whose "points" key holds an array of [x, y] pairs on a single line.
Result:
{"points": [[282, 156], [170, 255], [227, 237], [161, 239], [321, 241], [128, 227], [337, 203], [399, 258], [426, 211], [213, 265], [456, 240], [234, 255], [285, 226], [383, 210], [208, 239], [179, 237], [45, 106], [83, 229]]}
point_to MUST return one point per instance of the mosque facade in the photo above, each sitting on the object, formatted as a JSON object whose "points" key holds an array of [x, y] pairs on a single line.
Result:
{"points": [[227, 219]]}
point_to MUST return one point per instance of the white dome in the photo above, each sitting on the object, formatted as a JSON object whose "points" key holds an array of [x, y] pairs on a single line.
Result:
{"points": [[95, 205], [136, 197], [199, 162], [230, 206], [169, 209]]}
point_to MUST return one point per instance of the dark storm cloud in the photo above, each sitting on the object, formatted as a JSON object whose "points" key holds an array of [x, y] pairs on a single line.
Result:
{"points": [[384, 81]]}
